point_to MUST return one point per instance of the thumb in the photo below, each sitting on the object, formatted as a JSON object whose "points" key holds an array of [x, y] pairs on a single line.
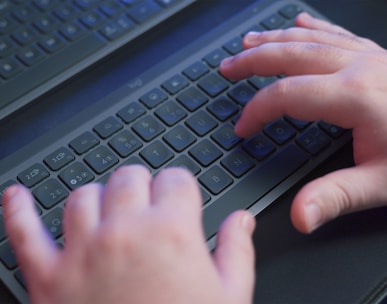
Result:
{"points": [[337, 193], [234, 256]]}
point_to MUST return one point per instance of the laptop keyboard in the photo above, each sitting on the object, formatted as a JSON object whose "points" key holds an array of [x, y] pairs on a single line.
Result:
{"points": [[47, 41], [180, 113]]}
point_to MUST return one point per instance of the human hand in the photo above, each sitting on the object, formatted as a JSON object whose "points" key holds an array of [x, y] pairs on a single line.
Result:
{"points": [[139, 240], [332, 75]]}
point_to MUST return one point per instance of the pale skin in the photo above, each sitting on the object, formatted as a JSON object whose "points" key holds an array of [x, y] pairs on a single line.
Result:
{"points": [[140, 238], [334, 76]]}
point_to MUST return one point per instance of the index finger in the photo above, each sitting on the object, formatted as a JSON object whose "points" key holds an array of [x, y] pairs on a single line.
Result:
{"points": [[311, 98]]}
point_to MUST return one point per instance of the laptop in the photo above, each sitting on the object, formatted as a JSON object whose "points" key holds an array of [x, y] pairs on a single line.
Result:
{"points": [[179, 112]]}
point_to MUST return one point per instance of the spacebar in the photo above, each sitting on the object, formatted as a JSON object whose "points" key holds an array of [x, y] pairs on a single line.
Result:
{"points": [[253, 187]]}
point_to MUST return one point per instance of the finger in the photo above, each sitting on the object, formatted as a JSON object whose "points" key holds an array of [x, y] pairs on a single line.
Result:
{"points": [[82, 214], [35, 250], [234, 256], [128, 189], [286, 58], [176, 187], [343, 41], [311, 98], [340, 192], [305, 20], [308, 21]]}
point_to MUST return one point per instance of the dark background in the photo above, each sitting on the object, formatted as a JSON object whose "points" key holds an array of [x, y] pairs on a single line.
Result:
{"points": [[343, 262]]}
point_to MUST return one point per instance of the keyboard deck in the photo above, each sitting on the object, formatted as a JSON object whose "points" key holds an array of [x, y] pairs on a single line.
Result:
{"points": [[179, 113], [44, 42]]}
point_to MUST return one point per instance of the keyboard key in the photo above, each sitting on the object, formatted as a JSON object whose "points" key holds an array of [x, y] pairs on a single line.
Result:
{"points": [[84, 142], [76, 175], [50, 193], [4, 187], [223, 108], [205, 152], [9, 68], [144, 11], [108, 127], [226, 137], [156, 154], [148, 128], [213, 85], [214, 58], [234, 46], [215, 180], [33, 175], [183, 161], [238, 163], [53, 221], [170, 113], [101, 159], [125, 143], [131, 112], [179, 138], [192, 98], [8, 256], [201, 123], [275, 21], [175, 84], [259, 82], [313, 140], [290, 11], [196, 70], [332, 130], [279, 131], [259, 146], [153, 98], [58, 159], [242, 93]]}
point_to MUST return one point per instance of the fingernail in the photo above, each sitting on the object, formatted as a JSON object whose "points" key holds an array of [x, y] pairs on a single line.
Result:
{"points": [[227, 61], [252, 37], [313, 216], [248, 222]]}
